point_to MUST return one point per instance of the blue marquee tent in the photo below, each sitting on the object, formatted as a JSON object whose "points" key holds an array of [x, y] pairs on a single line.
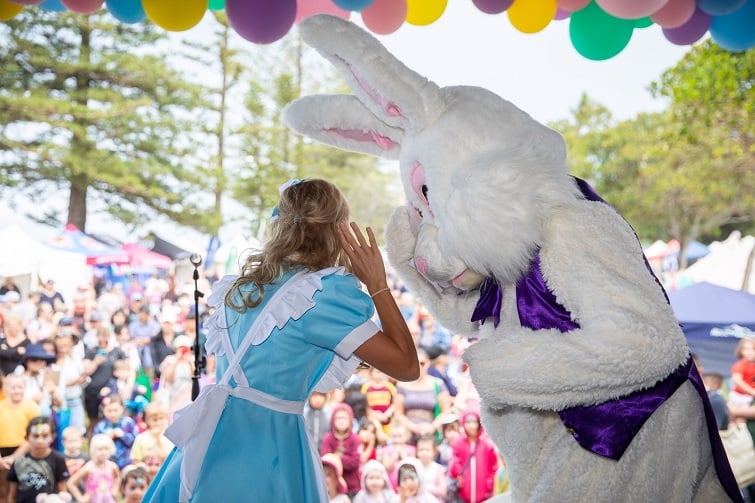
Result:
{"points": [[714, 319]]}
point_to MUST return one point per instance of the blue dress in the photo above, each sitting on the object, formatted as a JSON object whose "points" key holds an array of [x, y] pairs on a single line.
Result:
{"points": [[244, 439]]}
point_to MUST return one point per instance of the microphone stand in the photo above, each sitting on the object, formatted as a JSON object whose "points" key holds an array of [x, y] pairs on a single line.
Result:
{"points": [[199, 361]]}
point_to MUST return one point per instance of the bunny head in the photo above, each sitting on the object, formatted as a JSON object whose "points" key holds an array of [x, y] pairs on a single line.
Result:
{"points": [[480, 175]]}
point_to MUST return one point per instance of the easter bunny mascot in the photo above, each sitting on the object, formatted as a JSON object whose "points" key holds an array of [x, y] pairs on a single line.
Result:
{"points": [[587, 385]]}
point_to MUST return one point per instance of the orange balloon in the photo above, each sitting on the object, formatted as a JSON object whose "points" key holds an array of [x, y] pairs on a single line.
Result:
{"points": [[423, 12], [9, 9]]}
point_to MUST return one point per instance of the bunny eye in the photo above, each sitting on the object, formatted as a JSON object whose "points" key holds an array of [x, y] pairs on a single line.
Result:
{"points": [[425, 190]]}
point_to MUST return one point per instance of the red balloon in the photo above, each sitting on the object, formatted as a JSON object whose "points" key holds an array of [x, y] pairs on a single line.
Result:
{"points": [[675, 13], [261, 21], [384, 16], [83, 6]]}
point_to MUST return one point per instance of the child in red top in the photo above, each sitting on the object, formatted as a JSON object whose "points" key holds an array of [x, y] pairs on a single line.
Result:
{"points": [[342, 441], [379, 393], [743, 375], [474, 462]]}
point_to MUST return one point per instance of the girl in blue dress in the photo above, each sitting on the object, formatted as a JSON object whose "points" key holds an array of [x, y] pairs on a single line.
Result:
{"points": [[293, 322]]}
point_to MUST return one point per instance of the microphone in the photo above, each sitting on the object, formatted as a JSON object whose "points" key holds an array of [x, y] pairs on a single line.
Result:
{"points": [[196, 261]]}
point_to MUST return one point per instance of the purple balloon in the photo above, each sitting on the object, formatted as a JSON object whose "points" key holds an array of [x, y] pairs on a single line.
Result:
{"points": [[493, 6], [719, 7], [691, 31], [261, 21], [561, 14]]}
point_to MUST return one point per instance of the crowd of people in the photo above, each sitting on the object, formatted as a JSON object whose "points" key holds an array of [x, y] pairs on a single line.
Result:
{"points": [[108, 368]]}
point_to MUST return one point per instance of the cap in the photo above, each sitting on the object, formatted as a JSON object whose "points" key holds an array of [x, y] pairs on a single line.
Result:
{"points": [[137, 296], [181, 341], [65, 321]]}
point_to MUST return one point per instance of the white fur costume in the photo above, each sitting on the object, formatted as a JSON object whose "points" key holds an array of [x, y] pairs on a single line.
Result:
{"points": [[488, 190]]}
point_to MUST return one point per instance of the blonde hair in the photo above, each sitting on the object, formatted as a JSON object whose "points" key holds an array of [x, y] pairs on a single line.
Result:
{"points": [[305, 234], [155, 409], [741, 345], [101, 440]]}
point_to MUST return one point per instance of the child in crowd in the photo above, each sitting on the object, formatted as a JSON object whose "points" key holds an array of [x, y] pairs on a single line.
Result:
{"points": [[397, 449], [317, 417], [75, 458], [371, 440], [342, 441], [153, 439], [450, 432], [743, 375], [376, 486], [118, 426], [475, 461], [41, 470], [134, 482], [41, 382], [713, 383], [380, 394], [334, 480], [15, 414], [411, 488], [100, 475], [433, 474]]}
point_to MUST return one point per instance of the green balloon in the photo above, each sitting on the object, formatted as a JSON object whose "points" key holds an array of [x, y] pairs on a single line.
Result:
{"points": [[217, 5], [643, 22], [596, 34]]}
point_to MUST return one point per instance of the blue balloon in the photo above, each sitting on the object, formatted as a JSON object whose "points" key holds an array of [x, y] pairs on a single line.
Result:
{"points": [[126, 11], [53, 5], [719, 7], [735, 31], [355, 5]]}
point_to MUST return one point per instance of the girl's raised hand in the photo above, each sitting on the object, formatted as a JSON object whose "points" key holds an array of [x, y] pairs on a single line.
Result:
{"points": [[366, 260]]}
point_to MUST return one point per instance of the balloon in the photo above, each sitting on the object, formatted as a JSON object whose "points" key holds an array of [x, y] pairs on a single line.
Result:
{"points": [[631, 9], [353, 4], [561, 14], [572, 5], [597, 35], [9, 9], [83, 6], [216, 5], [735, 31], [675, 13], [307, 8], [643, 22], [27, 2], [691, 31], [423, 12], [126, 11], [492, 6], [261, 21], [384, 16], [175, 15], [531, 16], [53, 6], [719, 7]]}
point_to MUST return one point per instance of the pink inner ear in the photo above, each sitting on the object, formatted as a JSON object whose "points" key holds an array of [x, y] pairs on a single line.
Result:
{"points": [[418, 179], [381, 141], [389, 107]]}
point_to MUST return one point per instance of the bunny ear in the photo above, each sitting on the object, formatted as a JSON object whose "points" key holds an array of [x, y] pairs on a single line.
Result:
{"points": [[395, 94], [343, 122]]}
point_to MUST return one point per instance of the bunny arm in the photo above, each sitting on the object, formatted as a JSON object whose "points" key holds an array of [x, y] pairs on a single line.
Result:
{"points": [[342, 121], [397, 95], [628, 338], [450, 307]]}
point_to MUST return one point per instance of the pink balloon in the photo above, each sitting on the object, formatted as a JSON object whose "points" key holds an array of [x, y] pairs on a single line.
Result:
{"points": [[572, 5], [631, 9], [83, 6], [27, 2], [691, 31], [384, 16], [308, 8], [492, 6], [675, 13]]}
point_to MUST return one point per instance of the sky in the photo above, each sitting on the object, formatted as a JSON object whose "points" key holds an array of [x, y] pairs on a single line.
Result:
{"points": [[541, 73]]}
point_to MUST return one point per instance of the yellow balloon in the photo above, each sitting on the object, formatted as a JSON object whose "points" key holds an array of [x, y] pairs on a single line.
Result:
{"points": [[423, 12], [175, 15], [9, 9], [531, 16]]}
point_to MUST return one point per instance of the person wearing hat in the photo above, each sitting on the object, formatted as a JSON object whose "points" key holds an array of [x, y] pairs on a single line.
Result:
{"points": [[333, 467], [41, 382], [411, 488]]}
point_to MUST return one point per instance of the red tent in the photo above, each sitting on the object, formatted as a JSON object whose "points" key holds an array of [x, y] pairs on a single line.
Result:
{"points": [[97, 252], [142, 258]]}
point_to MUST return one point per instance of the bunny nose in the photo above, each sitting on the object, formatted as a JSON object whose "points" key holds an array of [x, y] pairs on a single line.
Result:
{"points": [[421, 265]]}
